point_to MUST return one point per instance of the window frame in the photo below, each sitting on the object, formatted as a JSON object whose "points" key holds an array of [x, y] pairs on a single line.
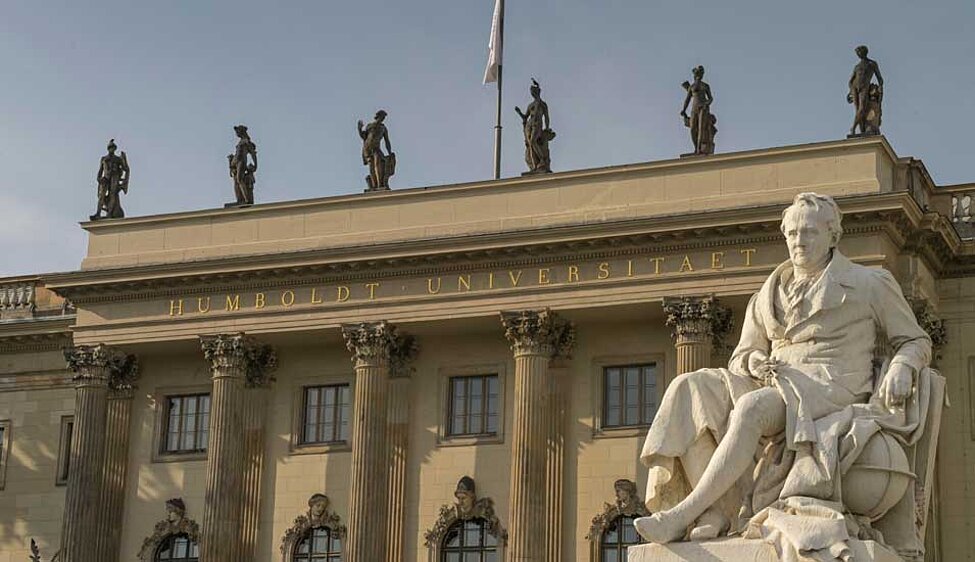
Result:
{"points": [[336, 416], [161, 398], [444, 550], [598, 382], [6, 442], [333, 377], [449, 372], [619, 545], [62, 470], [173, 537], [308, 535]]}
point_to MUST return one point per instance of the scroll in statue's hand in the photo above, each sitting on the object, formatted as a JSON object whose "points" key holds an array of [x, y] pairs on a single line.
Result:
{"points": [[897, 385]]}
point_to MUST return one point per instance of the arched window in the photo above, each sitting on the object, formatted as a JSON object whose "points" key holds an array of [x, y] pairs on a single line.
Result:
{"points": [[469, 541], [178, 547], [319, 545], [619, 535]]}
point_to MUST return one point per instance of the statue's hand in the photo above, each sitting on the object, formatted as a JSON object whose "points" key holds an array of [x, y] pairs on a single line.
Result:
{"points": [[896, 387]]}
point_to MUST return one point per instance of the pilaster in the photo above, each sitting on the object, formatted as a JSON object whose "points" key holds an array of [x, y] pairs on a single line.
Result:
{"points": [[698, 325], [536, 337], [235, 361]]}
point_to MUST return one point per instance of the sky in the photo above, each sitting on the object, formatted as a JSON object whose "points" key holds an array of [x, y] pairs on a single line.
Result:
{"points": [[169, 80]]}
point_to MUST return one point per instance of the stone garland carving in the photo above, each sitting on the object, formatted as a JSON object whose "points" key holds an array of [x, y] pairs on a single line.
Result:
{"points": [[930, 322], [175, 523], [468, 506], [231, 351], [121, 369], [319, 515], [35, 553], [628, 503], [697, 317], [539, 329], [371, 340]]}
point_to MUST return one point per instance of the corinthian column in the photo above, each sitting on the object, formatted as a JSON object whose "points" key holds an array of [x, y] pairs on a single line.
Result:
{"points": [[376, 347], [558, 390], [95, 367], [233, 359], [536, 338], [398, 425], [697, 324], [256, 390]]}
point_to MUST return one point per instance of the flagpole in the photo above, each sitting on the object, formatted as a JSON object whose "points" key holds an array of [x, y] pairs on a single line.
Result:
{"points": [[497, 125]]}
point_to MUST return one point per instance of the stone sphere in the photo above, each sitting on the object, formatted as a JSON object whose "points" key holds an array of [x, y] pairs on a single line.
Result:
{"points": [[878, 479]]}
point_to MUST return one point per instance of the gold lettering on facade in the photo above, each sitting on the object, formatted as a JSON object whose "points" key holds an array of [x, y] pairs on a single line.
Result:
{"points": [[686, 265], [629, 268], [233, 303], [176, 307], [716, 260], [464, 282], [514, 278], [372, 290], [656, 265], [603, 271], [260, 300], [287, 298], [341, 293], [748, 255], [573, 273], [203, 305], [491, 280], [543, 275], [315, 299], [430, 288]]}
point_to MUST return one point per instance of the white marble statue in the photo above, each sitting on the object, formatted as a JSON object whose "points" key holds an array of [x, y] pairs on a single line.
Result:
{"points": [[764, 447]]}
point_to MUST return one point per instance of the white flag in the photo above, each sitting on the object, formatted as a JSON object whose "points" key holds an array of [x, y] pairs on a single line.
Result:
{"points": [[494, 46]]}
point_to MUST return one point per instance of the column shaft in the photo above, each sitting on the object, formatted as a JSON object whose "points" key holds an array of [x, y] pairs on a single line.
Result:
{"points": [[109, 533], [399, 416], [693, 354], [368, 518], [558, 391], [255, 417], [697, 324], [222, 516], [82, 498]]}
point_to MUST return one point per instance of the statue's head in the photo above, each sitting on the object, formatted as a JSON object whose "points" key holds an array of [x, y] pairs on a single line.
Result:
{"points": [[535, 89], [317, 504], [381, 115], [241, 131], [698, 72], [112, 147], [175, 509], [465, 493], [861, 51], [812, 226]]}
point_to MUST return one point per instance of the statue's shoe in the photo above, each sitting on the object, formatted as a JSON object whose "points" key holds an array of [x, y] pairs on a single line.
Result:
{"points": [[660, 528], [709, 526]]}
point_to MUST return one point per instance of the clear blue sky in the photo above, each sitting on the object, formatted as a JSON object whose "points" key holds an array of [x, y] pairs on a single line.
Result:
{"points": [[169, 79]]}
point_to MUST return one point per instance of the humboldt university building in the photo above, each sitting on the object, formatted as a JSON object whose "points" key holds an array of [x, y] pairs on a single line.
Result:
{"points": [[455, 373]]}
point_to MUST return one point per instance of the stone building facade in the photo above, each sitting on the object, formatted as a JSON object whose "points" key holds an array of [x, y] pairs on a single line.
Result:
{"points": [[418, 374]]}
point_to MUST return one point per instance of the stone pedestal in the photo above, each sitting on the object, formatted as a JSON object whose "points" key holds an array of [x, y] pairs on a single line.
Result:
{"points": [[738, 550], [697, 324], [536, 338]]}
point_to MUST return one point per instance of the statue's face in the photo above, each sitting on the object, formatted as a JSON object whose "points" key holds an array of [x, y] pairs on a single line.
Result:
{"points": [[465, 499], [807, 235]]}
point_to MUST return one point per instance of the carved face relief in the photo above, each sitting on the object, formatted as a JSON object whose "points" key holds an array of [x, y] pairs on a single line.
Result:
{"points": [[807, 235], [465, 501]]}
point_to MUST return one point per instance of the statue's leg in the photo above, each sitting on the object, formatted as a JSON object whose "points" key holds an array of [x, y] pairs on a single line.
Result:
{"points": [[758, 413]]}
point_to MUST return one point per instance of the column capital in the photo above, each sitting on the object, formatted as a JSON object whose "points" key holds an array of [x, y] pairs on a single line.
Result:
{"points": [[238, 354], [696, 319], [929, 321], [540, 332], [380, 341], [103, 365]]}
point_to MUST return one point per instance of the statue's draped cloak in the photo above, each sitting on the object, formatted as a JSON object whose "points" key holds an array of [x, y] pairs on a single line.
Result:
{"points": [[826, 341]]}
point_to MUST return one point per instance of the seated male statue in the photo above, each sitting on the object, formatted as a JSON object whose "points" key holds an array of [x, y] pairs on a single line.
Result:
{"points": [[803, 370]]}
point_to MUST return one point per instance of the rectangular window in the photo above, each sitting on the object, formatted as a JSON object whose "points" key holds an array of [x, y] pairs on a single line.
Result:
{"points": [[64, 450], [629, 395], [473, 406], [326, 414], [187, 425], [4, 449]]}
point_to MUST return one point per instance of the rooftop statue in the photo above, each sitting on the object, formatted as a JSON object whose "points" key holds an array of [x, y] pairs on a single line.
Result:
{"points": [[381, 166], [865, 95], [803, 394], [535, 122], [242, 171], [112, 178], [701, 121]]}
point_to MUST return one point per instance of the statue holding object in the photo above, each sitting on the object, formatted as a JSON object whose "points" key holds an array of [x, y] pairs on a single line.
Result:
{"points": [[381, 166], [535, 122], [112, 179], [866, 95], [701, 121], [242, 171]]}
